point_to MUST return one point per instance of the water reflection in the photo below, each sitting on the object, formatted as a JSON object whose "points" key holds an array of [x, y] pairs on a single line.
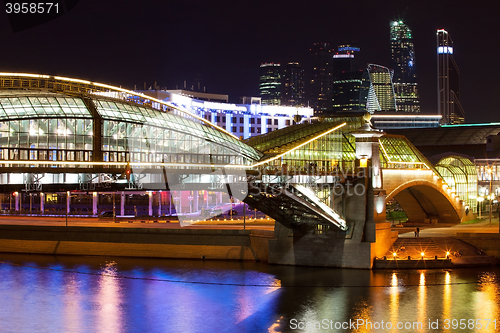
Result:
{"points": [[108, 299], [422, 299], [447, 295], [487, 299], [394, 294], [79, 294]]}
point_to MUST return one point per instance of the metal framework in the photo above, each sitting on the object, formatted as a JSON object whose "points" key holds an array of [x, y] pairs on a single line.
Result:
{"points": [[461, 176]]}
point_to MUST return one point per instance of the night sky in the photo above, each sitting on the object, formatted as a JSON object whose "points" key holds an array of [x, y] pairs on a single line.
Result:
{"points": [[128, 43]]}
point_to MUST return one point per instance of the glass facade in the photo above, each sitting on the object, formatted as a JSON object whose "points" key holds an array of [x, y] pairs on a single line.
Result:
{"points": [[320, 90], [148, 135], [460, 175], [59, 127], [448, 81], [270, 84], [306, 147], [50, 127], [350, 91], [381, 92], [398, 152], [405, 69], [293, 85]]}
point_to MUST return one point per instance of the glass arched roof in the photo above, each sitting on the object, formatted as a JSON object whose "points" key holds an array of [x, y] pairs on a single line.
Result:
{"points": [[460, 174], [25, 104], [122, 111], [22, 105]]}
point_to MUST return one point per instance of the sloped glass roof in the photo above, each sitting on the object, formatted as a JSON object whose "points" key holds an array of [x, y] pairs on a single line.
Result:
{"points": [[23, 105], [115, 110], [397, 149], [461, 175]]}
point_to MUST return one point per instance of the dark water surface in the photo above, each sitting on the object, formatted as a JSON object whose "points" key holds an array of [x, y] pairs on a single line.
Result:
{"points": [[98, 294]]}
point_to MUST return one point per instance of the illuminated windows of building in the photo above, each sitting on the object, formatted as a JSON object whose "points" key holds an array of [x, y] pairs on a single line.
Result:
{"points": [[381, 95], [350, 91], [270, 84], [293, 85], [448, 81], [320, 98], [404, 66]]}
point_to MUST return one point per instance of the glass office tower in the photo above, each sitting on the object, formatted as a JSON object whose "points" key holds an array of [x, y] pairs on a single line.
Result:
{"points": [[293, 85], [320, 98], [448, 81], [404, 66], [270, 84]]}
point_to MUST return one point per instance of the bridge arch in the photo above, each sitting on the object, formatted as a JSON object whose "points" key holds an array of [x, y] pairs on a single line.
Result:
{"points": [[425, 199]]}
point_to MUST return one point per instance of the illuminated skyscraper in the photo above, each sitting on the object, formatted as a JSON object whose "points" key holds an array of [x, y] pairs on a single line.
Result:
{"points": [[293, 85], [448, 81], [381, 95], [270, 84], [405, 70], [320, 98], [343, 60], [350, 91]]}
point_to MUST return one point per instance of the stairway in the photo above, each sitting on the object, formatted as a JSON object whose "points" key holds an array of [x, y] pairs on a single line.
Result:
{"points": [[413, 247], [461, 253]]}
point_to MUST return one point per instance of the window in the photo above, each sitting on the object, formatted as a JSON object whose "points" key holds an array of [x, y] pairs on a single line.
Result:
{"points": [[269, 121], [275, 121], [241, 129], [252, 120], [241, 120], [258, 121], [233, 129], [252, 130], [223, 119], [287, 122], [217, 119], [258, 130]]}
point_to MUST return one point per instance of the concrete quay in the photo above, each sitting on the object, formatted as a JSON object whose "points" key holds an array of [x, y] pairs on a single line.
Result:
{"points": [[231, 242], [185, 243]]}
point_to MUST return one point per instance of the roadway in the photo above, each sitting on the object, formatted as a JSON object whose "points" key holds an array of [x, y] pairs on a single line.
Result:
{"points": [[120, 223], [482, 226]]}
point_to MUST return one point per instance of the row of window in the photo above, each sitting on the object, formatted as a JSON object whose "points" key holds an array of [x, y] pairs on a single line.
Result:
{"points": [[45, 155], [218, 119]]}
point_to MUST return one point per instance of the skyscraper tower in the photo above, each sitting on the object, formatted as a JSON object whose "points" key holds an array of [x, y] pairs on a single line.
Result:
{"points": [[405, 70], [293, 85], [381, 95], [448, 81], [350, 91], [343, 60], [320, 98], [270, 84]]}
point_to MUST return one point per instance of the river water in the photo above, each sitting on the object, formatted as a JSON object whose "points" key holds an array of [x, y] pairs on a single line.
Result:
{"points": [[98, 294]]}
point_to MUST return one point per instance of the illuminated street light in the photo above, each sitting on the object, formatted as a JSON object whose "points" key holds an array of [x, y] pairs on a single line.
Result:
{"points": [[490, 195]]}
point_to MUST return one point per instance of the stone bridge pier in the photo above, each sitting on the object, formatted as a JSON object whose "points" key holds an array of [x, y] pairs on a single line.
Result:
{"points": [[361, 203]]}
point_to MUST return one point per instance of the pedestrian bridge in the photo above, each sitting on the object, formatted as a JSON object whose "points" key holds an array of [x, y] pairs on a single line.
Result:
{"points": [[331, 178], [49, 143]]}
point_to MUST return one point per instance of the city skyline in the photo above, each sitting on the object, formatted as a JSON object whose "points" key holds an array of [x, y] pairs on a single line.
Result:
{"points": [[128, 44]]}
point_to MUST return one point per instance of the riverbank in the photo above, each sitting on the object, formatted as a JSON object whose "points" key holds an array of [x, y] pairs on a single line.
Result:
{"points": [[182, 243]]}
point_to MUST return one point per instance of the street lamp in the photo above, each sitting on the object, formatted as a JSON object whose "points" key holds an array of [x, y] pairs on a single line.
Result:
{"points": [[490, 195]]}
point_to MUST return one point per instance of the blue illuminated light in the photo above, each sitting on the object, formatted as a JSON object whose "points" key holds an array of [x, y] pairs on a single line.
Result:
{"points": [[349, 48]]}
